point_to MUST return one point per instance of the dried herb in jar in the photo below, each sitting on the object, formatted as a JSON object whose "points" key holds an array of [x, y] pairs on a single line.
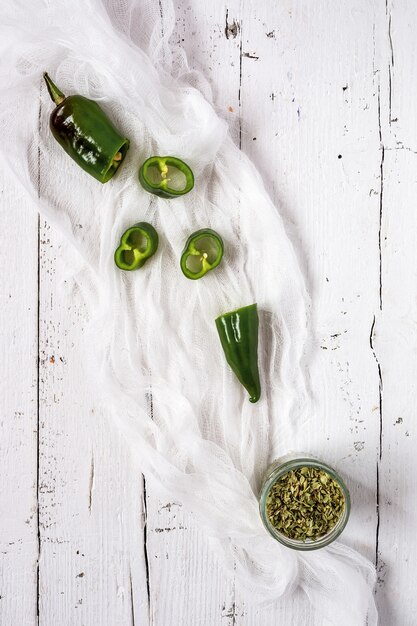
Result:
{"points": [[305, 504]]}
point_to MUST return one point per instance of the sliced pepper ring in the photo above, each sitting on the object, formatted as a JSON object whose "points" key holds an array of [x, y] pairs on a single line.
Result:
{"points": [[137, 244], [166, 176], [203, 252]]}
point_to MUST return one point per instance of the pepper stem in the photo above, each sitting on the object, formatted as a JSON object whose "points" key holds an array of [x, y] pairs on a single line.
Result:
{"points": [[56, 95]]}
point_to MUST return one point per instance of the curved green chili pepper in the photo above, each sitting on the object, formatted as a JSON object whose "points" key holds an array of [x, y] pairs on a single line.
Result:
{"points": [[137, 245], [85, 132], [238, 332], [203, 252], [166, 177]]}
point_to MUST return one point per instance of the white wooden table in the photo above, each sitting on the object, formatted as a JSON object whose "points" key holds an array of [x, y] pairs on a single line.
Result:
{"points": [[323, 97]]}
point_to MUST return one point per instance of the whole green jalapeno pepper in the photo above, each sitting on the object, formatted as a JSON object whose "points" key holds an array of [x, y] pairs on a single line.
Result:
{"points": [[85, 132]]}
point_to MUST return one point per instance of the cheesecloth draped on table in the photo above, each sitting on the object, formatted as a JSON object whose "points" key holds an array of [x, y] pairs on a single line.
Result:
{"points": [[152, 339]]}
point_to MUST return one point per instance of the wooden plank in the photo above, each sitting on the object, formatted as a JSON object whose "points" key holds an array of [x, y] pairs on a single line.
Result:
{"points": [[91, 531], [395, 338], [396, 351], [18, 406], [187, 584], [210, 35]]}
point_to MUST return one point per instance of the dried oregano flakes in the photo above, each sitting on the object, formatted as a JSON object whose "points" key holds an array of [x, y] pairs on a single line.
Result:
{"points": [[305, 504]]}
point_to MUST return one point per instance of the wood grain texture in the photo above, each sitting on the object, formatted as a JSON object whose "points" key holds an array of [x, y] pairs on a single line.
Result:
{"points": [[18, 407], [396, 339], [91, 567], [319, 96]]}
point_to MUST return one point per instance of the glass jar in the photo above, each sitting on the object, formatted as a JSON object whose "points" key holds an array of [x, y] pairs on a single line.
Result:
{"points": [[278, 469]]}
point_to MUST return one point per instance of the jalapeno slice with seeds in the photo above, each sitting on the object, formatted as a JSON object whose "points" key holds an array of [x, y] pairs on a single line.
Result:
{"points": [[166, 177], [137, 245], [203, 252]]}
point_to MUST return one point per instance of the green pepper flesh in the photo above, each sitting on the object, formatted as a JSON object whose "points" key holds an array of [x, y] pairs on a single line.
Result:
{"points": [[202, 252], [137, 244], [84, 131], [238, 333], [166, 177]]}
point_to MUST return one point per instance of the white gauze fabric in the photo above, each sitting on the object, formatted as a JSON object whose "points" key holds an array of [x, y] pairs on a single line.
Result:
{"points": [[153, 340]]}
